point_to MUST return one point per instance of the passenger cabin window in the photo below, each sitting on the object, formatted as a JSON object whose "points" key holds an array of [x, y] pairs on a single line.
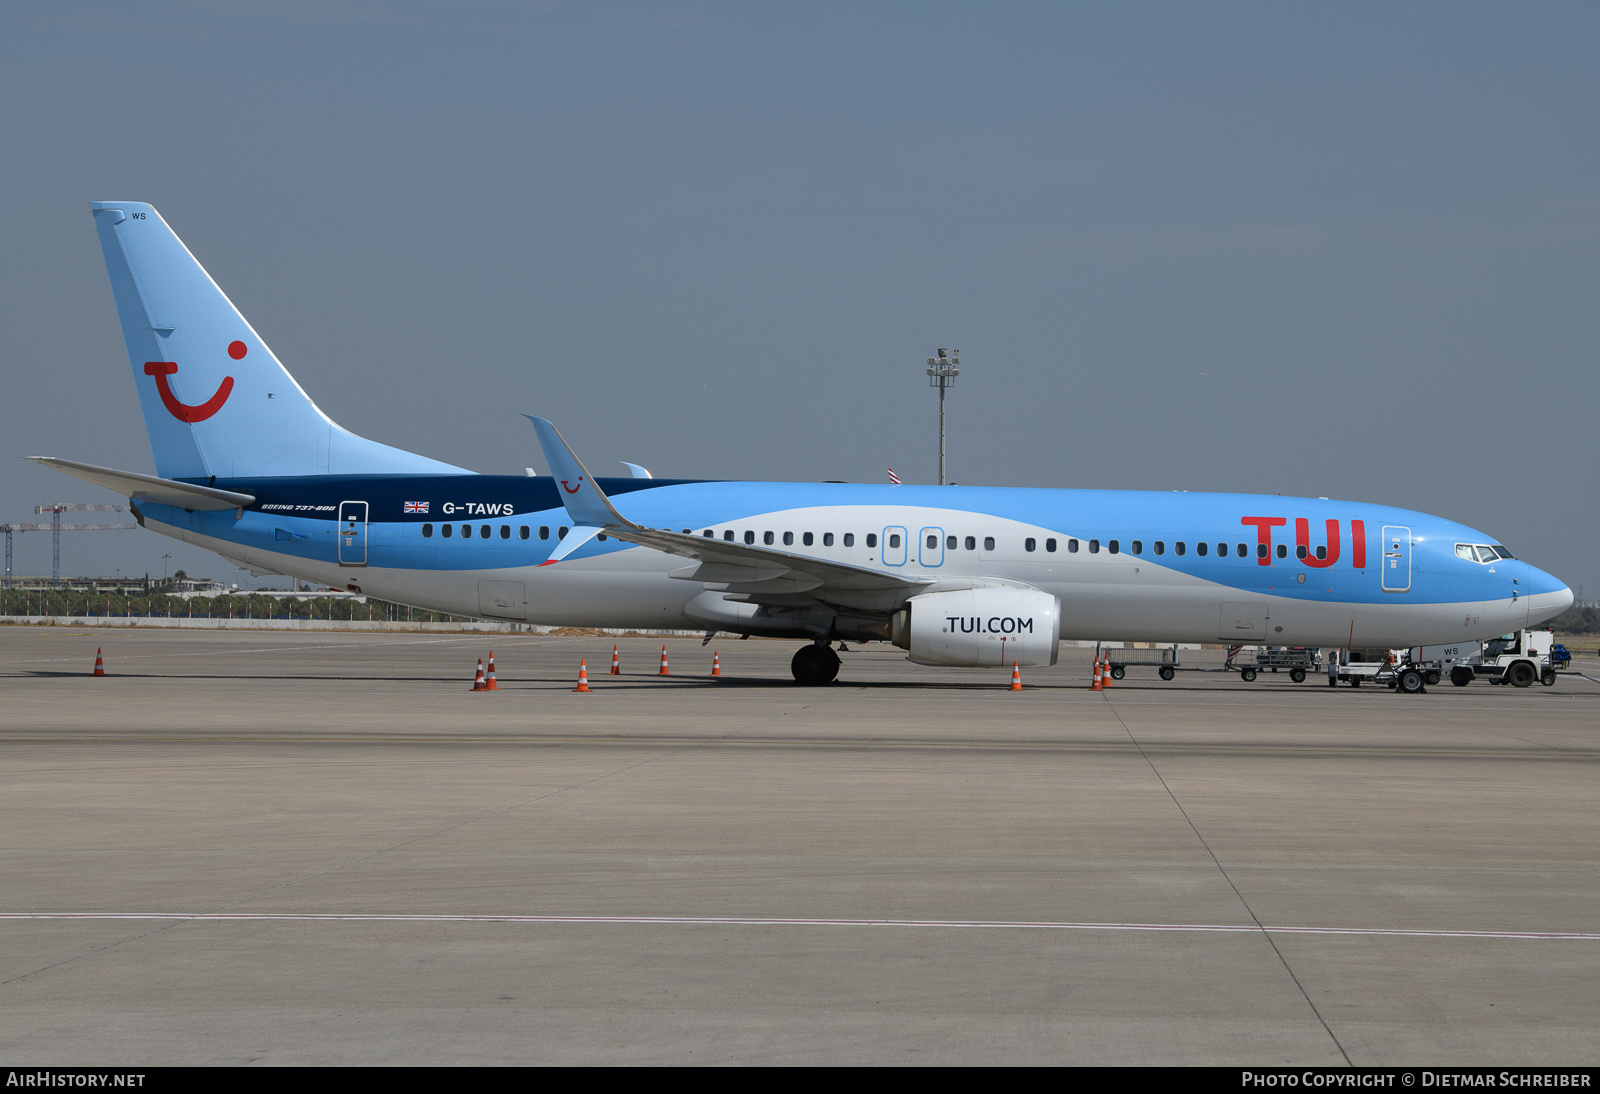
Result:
{"points": [[447, 530], [872, 539], [561, 532], [1160, 547], [1179, 547], [1261, 550], [949, 543], [522, 533], [505, 531], [1322, 552], [1094, 546], [766, 538], [466, 531], [1049, 545], [1138, 547], [988, 543], [1300, 551], [544, 531], [728, 535], [1114, 546], [427, 531], [1029, 544], [788, 538], [1243, 551], [933, 543], [750, 538], [972, 543], [484, 531], [1072, 546], [894, 541], [1283, 550], [1222, 550], [709, 534], [1201, 548]]}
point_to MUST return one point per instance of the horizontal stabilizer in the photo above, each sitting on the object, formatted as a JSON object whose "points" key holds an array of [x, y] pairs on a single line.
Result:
{"points": [[183, 495]]}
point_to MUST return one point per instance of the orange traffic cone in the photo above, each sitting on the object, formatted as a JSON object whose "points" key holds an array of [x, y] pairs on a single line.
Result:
{"points": [[616, 662], [1016, 677], [716, 664], [489, 684], [1106, 675], [478, 683], [99, 665], [583, 676], [663, 671], [1096, 686]]}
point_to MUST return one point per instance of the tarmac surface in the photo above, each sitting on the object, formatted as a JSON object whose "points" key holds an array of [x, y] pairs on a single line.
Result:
{"points": [[283, 848]]}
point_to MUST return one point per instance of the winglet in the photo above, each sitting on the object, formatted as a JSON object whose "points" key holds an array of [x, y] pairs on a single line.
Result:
{"points": [[586, 503]]}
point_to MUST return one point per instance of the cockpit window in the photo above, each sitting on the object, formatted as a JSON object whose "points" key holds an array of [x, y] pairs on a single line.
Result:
{"points": [[1486, 554], [1502, 552], [1465, 550]]}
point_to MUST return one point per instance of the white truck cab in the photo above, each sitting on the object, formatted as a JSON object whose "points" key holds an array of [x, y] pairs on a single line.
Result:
{"points": [[1518, 659]]}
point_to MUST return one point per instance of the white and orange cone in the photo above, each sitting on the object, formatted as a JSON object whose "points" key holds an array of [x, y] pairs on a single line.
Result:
{"points": [[663, 671], [716, 664], [478, 683], [489, 684], [583, 676], [99, 665], [616, 661], [1106, 677], [1096, 686], [1016, 677]]}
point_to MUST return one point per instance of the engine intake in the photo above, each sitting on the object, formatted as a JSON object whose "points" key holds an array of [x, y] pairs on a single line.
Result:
{"points": [[978, 627]]}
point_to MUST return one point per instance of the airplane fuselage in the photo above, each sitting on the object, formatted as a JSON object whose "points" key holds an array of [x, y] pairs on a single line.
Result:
{"points": [[1125, 565]]}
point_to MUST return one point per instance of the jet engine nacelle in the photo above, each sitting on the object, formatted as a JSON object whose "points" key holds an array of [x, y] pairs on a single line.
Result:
{"points": [[976, 627]]}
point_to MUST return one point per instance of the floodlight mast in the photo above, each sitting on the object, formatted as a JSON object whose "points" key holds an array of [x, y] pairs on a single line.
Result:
{"points": [[942, 373]]}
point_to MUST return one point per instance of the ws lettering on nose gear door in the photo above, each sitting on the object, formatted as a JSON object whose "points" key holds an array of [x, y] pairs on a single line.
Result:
{"points": [[352, 533]]}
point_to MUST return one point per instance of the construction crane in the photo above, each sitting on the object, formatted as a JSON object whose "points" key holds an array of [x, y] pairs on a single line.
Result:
{"points": [[55, 528]]}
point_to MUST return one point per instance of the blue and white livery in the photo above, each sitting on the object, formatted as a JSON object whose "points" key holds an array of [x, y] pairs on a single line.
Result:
{"points": [[249, 467]]}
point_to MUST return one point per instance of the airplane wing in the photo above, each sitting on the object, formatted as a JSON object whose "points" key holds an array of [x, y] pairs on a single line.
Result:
{"points": [[762, 573]]}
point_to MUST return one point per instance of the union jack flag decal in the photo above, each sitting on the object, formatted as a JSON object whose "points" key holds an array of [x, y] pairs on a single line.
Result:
{"points": [[416, 507]]}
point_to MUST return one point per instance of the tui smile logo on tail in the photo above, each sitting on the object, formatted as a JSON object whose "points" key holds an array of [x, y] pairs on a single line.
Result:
{"points": [[181, 410], [569, 489]]}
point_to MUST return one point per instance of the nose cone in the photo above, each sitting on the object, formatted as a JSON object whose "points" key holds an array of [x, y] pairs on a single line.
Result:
{"points": [[1549, 597]]}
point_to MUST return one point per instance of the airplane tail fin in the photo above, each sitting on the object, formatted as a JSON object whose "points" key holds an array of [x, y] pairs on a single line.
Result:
{"points": [[216, 400]]}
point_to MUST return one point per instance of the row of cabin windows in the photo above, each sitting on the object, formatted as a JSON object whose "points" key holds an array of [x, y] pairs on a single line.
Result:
{"points": [[807, 539], [1112, 546], [485, 531], [1179, 547]]}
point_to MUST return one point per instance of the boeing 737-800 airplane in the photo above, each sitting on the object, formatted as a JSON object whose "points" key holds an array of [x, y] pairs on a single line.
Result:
{"points": [[249, 467]]}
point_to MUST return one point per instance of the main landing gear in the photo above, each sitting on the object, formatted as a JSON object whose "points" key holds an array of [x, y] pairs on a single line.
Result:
{"points": [[814, 665]]}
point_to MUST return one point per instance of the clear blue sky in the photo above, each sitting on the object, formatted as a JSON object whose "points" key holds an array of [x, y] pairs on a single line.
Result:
{"points": [[1345, 250]]}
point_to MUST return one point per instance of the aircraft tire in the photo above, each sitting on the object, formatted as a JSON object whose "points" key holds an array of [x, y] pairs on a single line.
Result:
{"points": [[1521, 675], [1297, 675], [1460, 677], [814, 666]]}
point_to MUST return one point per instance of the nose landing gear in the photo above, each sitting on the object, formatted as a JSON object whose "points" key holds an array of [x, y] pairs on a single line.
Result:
{"points": [[814, 665]]}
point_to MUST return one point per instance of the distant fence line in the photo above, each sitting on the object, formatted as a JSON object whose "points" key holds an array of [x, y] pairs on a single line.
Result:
{"points": [[205, 623]]}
